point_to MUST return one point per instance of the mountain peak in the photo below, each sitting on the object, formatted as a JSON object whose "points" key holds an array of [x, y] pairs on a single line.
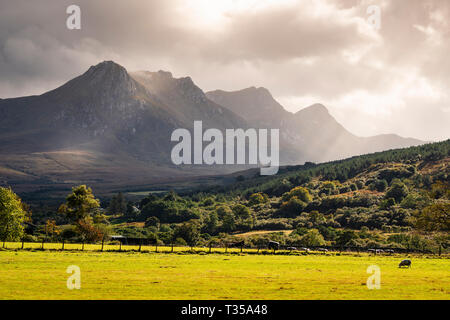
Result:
{"points": [[106, 68], [106, 79], [317, 108], [254, 104], [260, 91], [166, 74]]}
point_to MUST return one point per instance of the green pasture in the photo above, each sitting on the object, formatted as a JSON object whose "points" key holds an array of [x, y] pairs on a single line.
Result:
{"points": [[41, 274]]}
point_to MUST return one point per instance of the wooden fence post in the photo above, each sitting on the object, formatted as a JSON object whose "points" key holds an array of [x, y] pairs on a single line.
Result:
{"points": [[43, 240], [226, 248], [82, 246], [242, 248], [156, 246], [23, 241], [62, 246], [120, 247], [103, 242], [210, 244], [140, 245], [172, 247]]}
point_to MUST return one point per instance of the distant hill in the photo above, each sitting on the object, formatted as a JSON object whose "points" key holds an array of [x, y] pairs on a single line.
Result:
{"points": [[110, 128], [312, 131]]}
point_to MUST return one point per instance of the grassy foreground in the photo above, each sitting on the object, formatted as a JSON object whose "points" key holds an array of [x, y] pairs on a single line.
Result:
{"points": [[132, 275]]}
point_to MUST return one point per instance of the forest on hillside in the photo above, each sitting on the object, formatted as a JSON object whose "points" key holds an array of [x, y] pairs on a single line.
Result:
{"points": [[396, 199]]}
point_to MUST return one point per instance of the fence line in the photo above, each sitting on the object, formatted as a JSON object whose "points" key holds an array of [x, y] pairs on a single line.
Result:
{"points": [[210, 248]]}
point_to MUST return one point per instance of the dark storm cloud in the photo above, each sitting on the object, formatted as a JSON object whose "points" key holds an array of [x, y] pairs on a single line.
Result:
{"points": [[303, 51]]}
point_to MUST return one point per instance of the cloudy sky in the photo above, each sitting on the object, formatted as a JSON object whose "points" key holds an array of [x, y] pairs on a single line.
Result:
{"points": [[394, 79]]}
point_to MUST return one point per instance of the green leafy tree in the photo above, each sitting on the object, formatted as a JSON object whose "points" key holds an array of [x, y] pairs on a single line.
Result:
{"points": [[229, 222], [345, 237], [12, 215], [300, 193], [189, 232], [223, 211], [80, 204], [317, 218], [398, 191], [152, 222], [313, 238], [241, 211], [381, 185], [292, 208], [211, 223], [434, 218], [257, 198], [80, 207]]}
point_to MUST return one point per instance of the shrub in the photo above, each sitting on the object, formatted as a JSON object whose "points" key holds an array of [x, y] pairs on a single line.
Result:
{"points": [[398, 191]]}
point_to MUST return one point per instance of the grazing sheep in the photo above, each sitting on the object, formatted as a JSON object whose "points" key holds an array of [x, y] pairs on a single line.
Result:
{"points": [[322, 250], [291, 248], [405, 263], [389, 251], [305, 249], [372, 251]]}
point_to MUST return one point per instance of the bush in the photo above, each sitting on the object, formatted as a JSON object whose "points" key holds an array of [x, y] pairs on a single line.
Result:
{"points": [[152, 222], [258, 198], [300, 193], [381, 185], [312, 239], [398, 191], [292, 208]]}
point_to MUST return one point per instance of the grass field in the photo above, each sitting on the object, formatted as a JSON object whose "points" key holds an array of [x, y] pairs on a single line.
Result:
{"points": [[132, 275]]}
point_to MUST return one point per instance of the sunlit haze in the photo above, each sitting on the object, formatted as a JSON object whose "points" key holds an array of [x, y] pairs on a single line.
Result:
{"points": [[391, 80]]}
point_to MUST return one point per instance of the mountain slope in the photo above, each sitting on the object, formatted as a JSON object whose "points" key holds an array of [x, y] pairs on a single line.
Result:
{"points": [[312, 131], [103, 127], [111, 128]]}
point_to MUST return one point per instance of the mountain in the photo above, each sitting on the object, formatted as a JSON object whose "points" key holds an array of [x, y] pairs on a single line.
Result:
{"points": [[103, 127], [110, 128], [312, 132]]}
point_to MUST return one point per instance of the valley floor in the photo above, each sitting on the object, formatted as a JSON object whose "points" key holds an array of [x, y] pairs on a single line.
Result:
{"points": [[132, 275]]}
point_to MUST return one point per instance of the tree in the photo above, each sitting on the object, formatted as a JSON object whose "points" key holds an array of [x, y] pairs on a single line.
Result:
{"points": [[398, 191], [12, 215], [241, 211], [132, 211], [88, 231], [80, 204], [51, 229], [211, 223], [440, 189], [300, 193], [189, 232], [317, 218], [381, 185], [152, 222], [222, 211], [228, 222], [257, 198], [79, 208], [313, 238], [118, 204], [292, 208], [434, 218], [345, 237]]}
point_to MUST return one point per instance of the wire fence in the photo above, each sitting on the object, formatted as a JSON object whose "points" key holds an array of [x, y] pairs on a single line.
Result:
{"points": [[211, 248]]}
